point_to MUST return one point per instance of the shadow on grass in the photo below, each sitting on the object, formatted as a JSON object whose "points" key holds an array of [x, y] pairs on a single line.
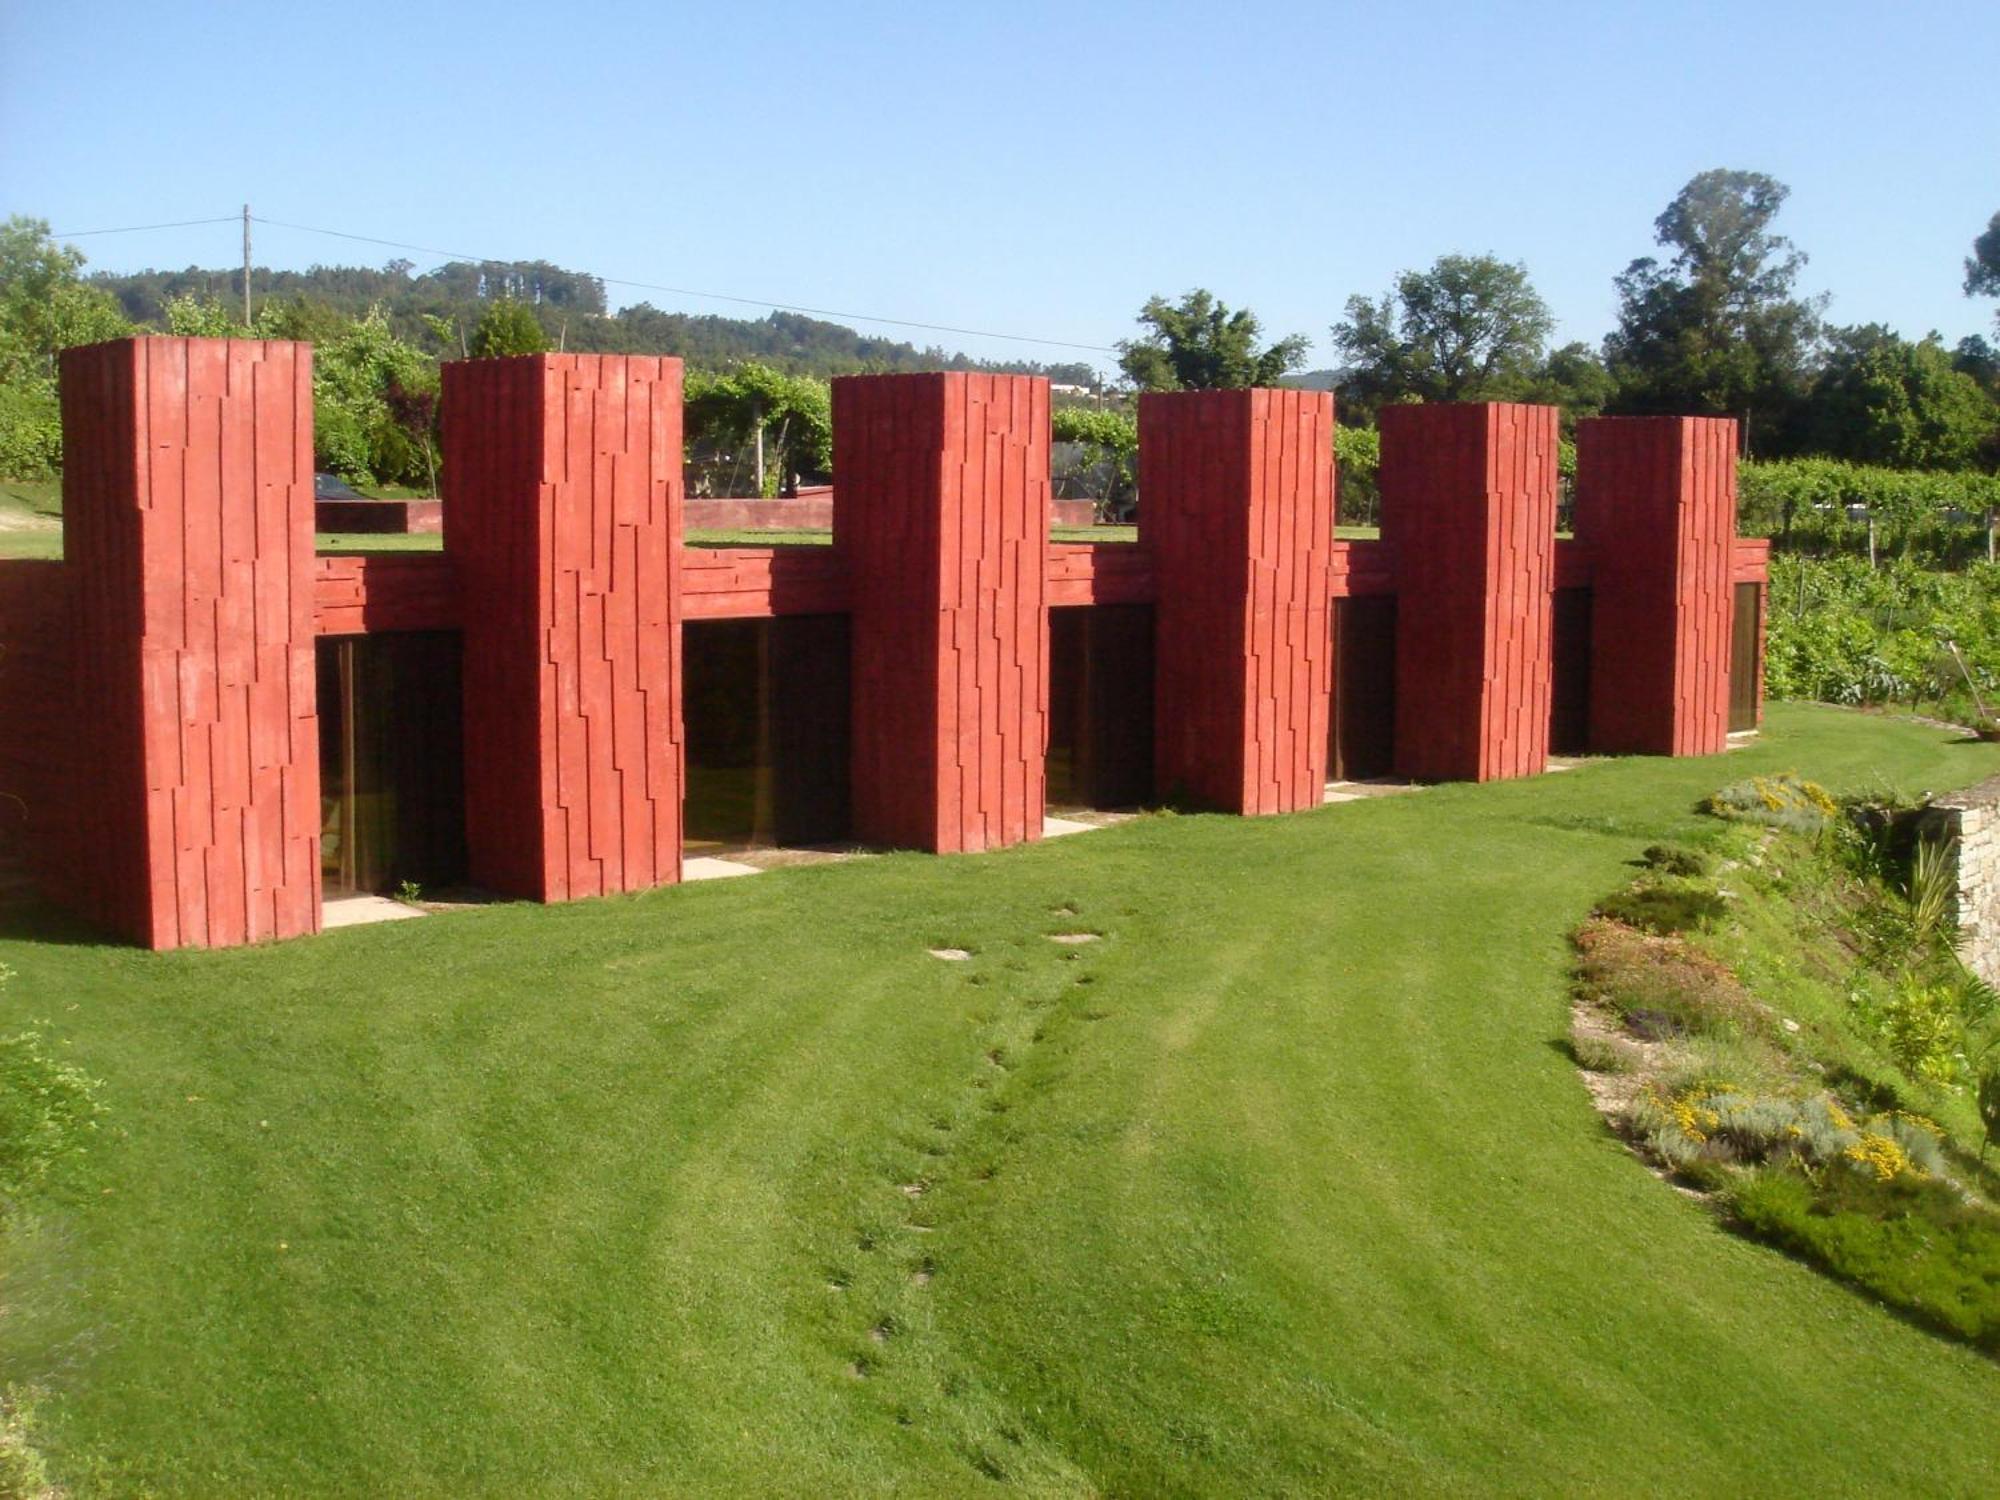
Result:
{"points": [[31, 919]]}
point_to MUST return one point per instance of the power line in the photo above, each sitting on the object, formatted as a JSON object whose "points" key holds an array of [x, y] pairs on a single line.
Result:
{"points": [[78, 234], [680, 291]]}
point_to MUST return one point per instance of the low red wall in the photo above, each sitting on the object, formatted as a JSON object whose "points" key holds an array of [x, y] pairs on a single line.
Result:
{"points": [[380, 517], [357, 593], [812, 510], [360, 592]]}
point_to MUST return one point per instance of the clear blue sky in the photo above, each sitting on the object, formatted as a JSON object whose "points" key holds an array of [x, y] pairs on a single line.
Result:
{"points": [[1031, 168]]}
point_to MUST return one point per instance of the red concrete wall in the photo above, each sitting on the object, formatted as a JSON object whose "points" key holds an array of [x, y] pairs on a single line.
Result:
{"points": [[563, 519], [1469, 507], [188, 512], [372, 517], [356, 593], [1099, 573], [812, 510], [808, 511], [944, 522], [37, 713], [1656, 503], [1239, 516]]}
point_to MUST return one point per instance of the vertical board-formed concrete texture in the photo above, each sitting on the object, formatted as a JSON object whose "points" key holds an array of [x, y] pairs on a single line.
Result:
{"points": [[1656, 503], [188, 512], [562, 490], [943, 521], [1469, 509], [159, 739], [38, 751], [1239, 514]]}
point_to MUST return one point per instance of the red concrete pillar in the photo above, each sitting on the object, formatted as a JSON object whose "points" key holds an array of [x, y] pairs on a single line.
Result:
{"points": [[562, 490], [188, 519], [1656, 503], [943, 518], [1237, 507], [1469, 510]]}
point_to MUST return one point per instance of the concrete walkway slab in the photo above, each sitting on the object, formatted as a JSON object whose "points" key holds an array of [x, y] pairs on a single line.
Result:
{"points": [[358, 911], [708, 867]]}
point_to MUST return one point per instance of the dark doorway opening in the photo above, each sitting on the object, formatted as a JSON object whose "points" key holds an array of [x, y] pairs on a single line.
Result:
{"points": [[1361, 729], [1100, 706], [392, 766], [766, 710], [1569, 667], [1744, 641]]}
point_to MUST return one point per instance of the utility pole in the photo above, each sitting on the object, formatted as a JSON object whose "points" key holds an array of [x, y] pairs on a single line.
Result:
{"points": [[246, 265]]}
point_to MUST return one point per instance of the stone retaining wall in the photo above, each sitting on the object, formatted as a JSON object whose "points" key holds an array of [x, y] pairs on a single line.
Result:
{"points": [[1971, 820]]}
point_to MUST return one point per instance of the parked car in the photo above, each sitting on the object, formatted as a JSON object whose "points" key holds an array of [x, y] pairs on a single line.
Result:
{"points": [[333, 487]]}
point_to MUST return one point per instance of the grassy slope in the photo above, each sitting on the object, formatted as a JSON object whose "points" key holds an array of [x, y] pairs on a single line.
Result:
{"points": [[1283, 1185]]}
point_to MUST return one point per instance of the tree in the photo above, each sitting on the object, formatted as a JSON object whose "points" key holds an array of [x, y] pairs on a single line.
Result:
{"points": [[1200, 345], [1574, 378], [1883, 400], [508, 326], [1718, 329], [45, 308], [1106, 441], [192, 317], [1471, 328], [374, 405], [1982, 267], [753, 410]]}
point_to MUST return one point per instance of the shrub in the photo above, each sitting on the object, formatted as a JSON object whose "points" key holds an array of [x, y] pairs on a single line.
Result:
{"points": [[30, 430], [1603, 1054], [1912, 1241], [1923, 1029], [1676, 859], [1661, 986], [1665, 907], [1785, 801]]}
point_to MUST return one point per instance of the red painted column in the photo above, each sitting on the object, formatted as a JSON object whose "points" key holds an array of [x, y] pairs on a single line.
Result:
{"points": [[943, 518], [1237, 510], [1469, 509], [562, 490], [1656, 502], [188, 519]]}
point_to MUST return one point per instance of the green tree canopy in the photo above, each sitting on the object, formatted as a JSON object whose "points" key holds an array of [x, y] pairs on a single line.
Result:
{"points": [[724, 413], [1883, 400], [1199, 345], [508, 326], [1718, 329], [45, 308], [1574, 378], [1471, 328], [1982, 267]]}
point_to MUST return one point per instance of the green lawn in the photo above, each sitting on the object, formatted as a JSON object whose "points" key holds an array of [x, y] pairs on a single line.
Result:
{"points": [[31, 518], [1282, 1186]]}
